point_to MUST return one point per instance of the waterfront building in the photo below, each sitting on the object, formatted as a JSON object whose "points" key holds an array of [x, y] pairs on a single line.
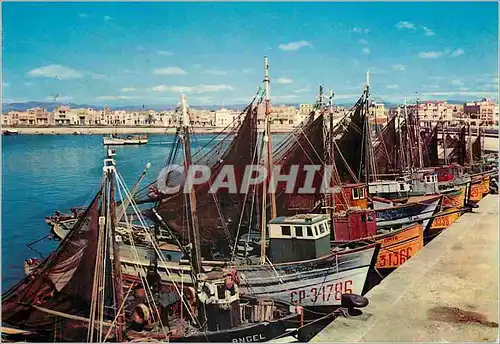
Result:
{"points": [[285, 117], [486, 111], [305, 109], [227, 118]]}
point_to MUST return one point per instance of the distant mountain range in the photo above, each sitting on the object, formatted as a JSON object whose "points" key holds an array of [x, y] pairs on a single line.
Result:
{"points": [[49, 106]]}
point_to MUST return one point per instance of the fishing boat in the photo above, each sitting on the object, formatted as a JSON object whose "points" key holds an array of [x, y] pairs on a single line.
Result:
{"points": [[10, 132], [396, 245], [116, 140], [450, 209], [70, 296]]}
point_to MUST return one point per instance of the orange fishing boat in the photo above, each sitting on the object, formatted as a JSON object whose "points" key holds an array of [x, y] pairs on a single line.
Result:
{"points": [[480, 187], [449, 209], [398, 246]]}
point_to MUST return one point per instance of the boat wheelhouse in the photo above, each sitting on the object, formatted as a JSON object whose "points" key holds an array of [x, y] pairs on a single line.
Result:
{"points": [[355, 224], [299, 237], [352, 195], [390, 188]]}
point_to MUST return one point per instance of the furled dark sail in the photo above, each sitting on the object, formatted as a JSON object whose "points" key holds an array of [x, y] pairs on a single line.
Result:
{"points": [[476, 149], [412, 130], [305, 148], [430, 149], [458, 154], [63, 282], [386, 149], [350, 144], [218, 212], [451, 142]]}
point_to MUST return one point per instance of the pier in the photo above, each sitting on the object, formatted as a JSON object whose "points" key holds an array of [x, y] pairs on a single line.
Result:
{"points": [[447, 292]]}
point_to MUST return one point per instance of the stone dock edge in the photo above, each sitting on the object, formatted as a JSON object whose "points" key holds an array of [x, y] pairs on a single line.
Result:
{"points": [[448, 292]]}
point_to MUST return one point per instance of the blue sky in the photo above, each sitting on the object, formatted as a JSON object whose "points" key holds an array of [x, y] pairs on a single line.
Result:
{"points": [[147, 53]]}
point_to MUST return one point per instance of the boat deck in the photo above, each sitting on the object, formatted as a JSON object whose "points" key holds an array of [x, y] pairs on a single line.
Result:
{"points": [[447, 292]]}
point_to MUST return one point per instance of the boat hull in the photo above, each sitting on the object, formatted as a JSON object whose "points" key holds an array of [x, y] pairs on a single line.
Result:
{"points": [[398, 246], [120, 142], [480, 187], [420, 210], [450, 209], [254, 333], [318, 282]]}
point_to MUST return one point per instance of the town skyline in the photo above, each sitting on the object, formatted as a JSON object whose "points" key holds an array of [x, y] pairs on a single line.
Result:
{"points": [[125, 54]]}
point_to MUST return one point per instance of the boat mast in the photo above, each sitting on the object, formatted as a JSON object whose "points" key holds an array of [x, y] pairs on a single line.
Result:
{"points": [[269, 164], [193, 223], [444, 144], [471, 156], [420, 156], [118, 286], [268, 135], [480, 134], [331, 158], [400, 136], [409, 158], [367, 130]]}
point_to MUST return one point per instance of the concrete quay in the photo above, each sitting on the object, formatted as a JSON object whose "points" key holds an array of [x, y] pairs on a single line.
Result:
{"points": [[448, 292]]}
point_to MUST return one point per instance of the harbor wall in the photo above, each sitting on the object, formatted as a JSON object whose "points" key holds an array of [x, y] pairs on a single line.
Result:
{"points": [[120, 130]]}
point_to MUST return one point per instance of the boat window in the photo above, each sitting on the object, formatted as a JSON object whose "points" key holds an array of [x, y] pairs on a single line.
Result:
{"points": [[401, 187], [315, 230], [361, 193], [285, 230], [321, 228], [355, 193], [298, 231], [309, 231]]}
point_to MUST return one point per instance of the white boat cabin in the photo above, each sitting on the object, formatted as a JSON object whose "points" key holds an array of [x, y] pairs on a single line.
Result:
{"points": [[390, 188], [424, 182], [298, 237]]}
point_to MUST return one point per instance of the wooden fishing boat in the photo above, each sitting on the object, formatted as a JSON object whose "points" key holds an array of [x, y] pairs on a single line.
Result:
{"points": [[396, 245], [450, 209], [10, 132], [116, 140], [346, 265], [480, 187], [399, 245], [417, 209]]}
